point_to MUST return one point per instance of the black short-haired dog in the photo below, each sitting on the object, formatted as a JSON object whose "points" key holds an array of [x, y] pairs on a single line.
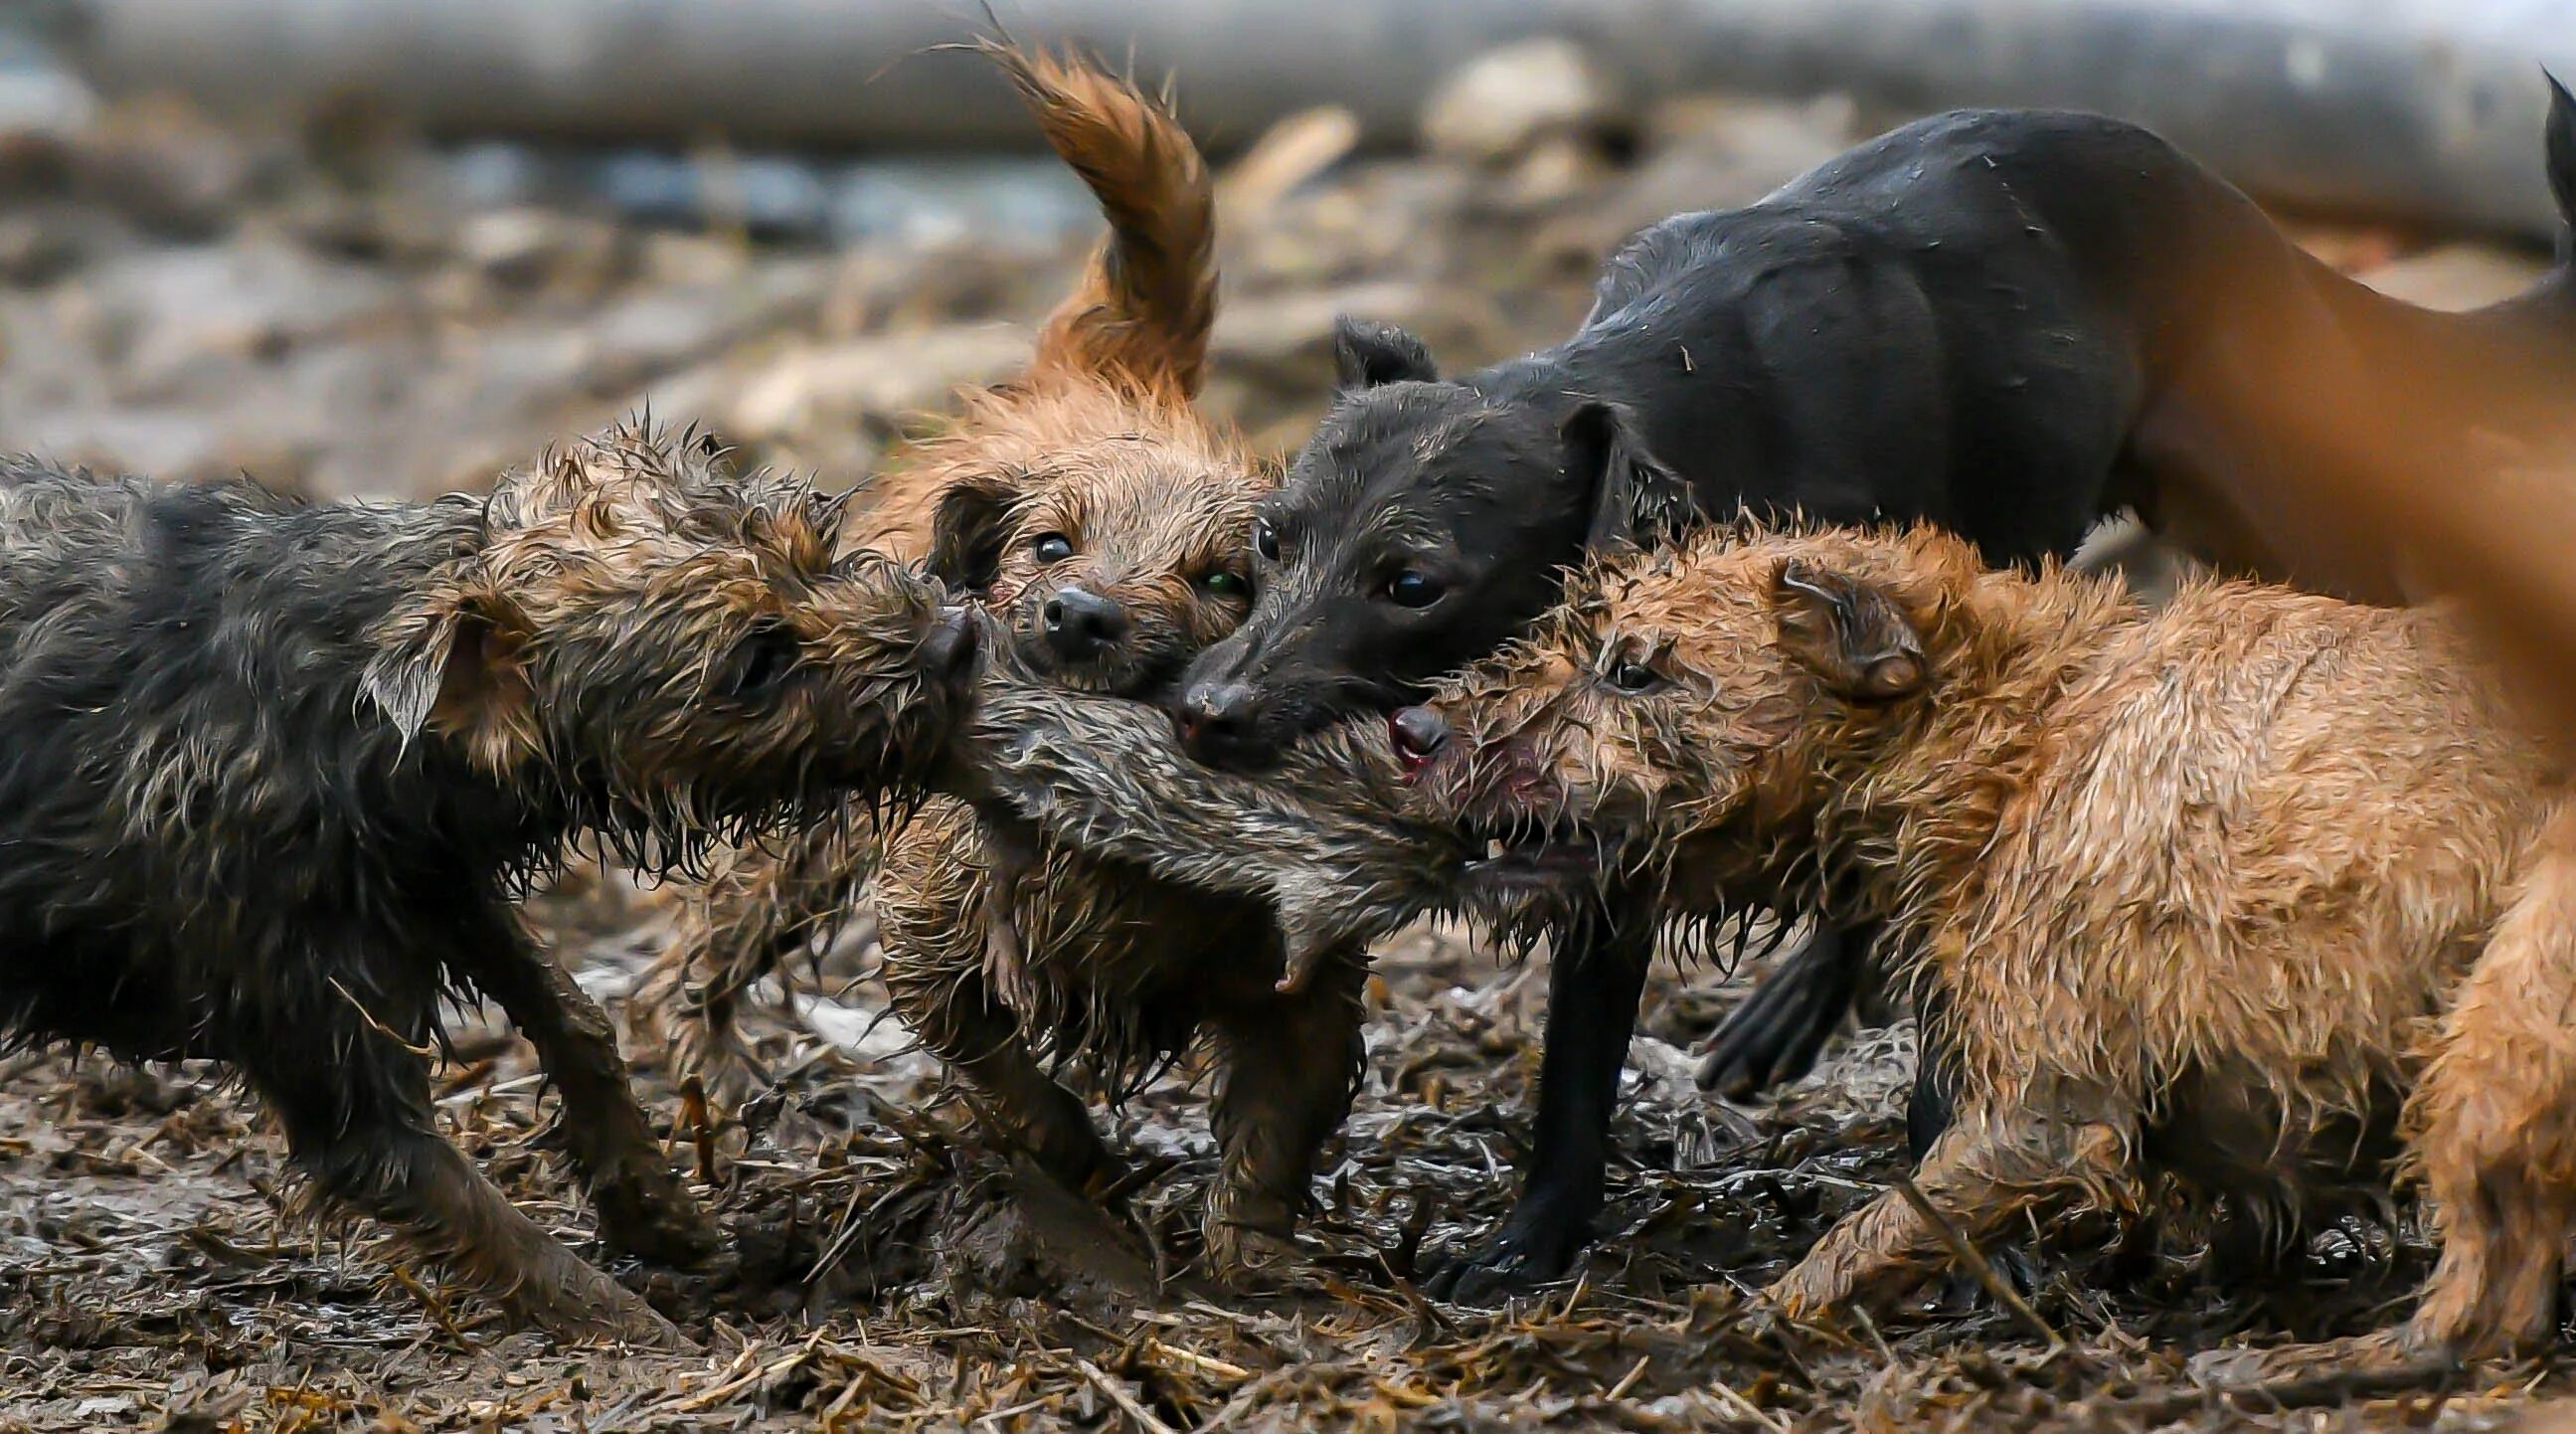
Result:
{"points": [[2010, 323]]}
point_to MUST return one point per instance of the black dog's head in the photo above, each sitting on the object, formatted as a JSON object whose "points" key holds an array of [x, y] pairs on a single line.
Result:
{"points": [[1424, 524]]}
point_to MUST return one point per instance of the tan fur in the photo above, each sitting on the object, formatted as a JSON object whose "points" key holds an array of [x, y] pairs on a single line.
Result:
{"points": [[1119, 361], [1004, 954], [2202, 892]]}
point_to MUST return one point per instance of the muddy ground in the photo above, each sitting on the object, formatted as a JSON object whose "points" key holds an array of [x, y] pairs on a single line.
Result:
{"points": [[344, 310]]}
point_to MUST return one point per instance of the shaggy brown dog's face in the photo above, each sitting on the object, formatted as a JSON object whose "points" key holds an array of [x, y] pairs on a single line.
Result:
{"points": [[1665, 702], [1115, 568], [680, 654]]}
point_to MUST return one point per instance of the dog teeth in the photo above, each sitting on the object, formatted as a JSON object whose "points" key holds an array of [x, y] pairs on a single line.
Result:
{"points": [[1493, 849]]}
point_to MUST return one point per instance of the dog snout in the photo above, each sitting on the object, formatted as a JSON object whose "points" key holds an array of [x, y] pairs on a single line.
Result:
{"points": [[950, 644], [1216, 719], [1420, 734], [1081, 623]]}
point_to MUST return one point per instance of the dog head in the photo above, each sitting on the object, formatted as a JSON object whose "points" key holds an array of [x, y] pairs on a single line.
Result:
{"points": [[1684, 706], [1110, 540], [1424, 524], [1086, 501], [677, 654]]}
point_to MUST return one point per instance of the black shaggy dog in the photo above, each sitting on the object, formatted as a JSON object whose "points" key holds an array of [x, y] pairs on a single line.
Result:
{"points": [[2011, 323], [271, 775]]}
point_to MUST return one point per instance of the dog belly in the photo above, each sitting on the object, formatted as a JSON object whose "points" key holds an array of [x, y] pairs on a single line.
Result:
{"points": [[2289, 1165]]}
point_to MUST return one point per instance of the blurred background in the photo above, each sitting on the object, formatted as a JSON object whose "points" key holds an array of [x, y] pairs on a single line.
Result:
{"points": [[389, 246]]}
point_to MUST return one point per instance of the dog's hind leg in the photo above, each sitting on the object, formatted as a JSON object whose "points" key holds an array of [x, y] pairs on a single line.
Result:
{"points": [[761, 909], [643, 1208], [2494, 1137], [1289, 1067], [936, 921], [354, 1099], [1984, 1172], [1597, 978]]}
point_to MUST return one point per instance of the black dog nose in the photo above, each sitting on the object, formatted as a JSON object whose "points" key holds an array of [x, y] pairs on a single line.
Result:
{"points": [[1419, 733], [950, 643], [1079, 622], [1214, 716]]}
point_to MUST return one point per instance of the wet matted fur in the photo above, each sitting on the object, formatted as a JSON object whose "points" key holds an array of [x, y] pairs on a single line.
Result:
{"points": [[2009, 322], [2241, 898], [1104, 522], [272, 775], [2215, 896]]}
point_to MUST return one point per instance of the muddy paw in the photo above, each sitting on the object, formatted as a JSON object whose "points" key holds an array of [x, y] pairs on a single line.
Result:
{"points": [[630, 1322], [1246, 1258], [580, 1304], [651, 1216], [2380, 1353]]}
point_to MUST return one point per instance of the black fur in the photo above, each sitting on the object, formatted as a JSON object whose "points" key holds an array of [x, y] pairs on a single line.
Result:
{"points": [[234, 831], [2012, 323]]}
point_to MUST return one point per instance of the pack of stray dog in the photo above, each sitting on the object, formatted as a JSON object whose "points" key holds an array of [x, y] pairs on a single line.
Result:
{"points": [[2262, 895]]}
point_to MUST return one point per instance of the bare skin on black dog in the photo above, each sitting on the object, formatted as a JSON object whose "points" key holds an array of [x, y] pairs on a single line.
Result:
{"points": [[2009, 323], [274, 773]]}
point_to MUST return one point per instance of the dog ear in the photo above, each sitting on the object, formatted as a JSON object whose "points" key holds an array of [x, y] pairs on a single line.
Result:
{"points": [[1635, 500], [459, 663], [1367, 354], [1851, 633], [967, 533]]}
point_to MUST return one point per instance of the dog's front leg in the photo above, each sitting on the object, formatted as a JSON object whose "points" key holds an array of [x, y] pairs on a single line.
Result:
{"points": [[1594, 985]]}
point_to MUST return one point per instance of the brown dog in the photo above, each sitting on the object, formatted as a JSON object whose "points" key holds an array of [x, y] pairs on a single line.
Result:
{"points": [[2212, 892], [1105, 524], [1101, 416]]}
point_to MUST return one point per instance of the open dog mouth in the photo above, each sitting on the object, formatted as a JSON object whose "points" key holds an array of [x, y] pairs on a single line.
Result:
{"points": [[1530, 853]]}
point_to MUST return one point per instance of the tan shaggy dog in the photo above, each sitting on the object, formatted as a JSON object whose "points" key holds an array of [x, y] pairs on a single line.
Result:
{"points": [[1104, 522], [2206, 894]]}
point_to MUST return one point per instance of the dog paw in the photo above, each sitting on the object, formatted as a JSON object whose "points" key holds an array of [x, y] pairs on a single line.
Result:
{"points": [[579, 1304], [652, 1217], [2383, 1352], [1523, 1256], [1251, 1260]]}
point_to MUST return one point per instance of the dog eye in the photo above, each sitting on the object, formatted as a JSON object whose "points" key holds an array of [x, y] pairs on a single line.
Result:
{"points": [[1634, 678], [1412, 589], [760, 661], [1052, 547], [1221, 583], [1265, 540]]}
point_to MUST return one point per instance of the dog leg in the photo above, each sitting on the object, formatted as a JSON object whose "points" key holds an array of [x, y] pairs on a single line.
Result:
{"points": [[1593, 987], [2495, 1139], [933, 909], [1776, 1035], [644, 1210], [359, 1123], [760, 910], [1981, 1175], [1290, 1066]]}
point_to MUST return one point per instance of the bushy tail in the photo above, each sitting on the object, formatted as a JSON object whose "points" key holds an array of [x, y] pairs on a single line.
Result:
{"points": [[1149, 297]]}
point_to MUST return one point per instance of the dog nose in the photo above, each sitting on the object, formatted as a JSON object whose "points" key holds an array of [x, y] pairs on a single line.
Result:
{"points": [[950, 643], [1079, 622], [1215, 716], [1419, 733]]}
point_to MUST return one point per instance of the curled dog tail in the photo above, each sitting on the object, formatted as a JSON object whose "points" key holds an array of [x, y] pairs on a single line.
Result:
{"points": [[1149, 296]]}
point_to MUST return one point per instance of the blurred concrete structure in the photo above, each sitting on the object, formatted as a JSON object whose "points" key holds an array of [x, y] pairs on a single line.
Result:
{"points": [[2421, 107]]}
